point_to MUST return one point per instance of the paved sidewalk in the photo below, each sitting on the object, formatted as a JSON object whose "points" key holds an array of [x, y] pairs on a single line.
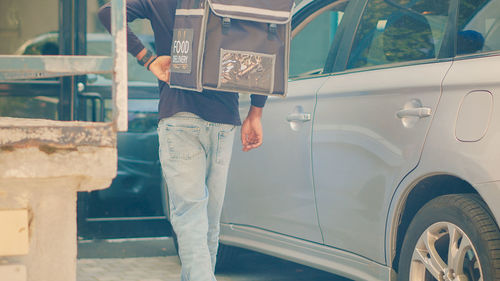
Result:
{"points": [[129, 269], [97, 263], [168, 269]]}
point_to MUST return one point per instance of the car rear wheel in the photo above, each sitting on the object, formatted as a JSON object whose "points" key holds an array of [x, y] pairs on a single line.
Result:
{"points": [[452, 238]]}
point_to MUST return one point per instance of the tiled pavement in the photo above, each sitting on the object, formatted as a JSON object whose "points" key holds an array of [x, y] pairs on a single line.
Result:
{"points": [[134, 264], [129, 269]]}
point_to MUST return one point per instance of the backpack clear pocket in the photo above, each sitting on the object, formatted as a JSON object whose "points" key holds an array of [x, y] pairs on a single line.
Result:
{"points": [[246, 71]]}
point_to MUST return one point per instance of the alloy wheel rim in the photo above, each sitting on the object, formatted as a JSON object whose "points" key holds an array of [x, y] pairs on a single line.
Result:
{"points": [[445, 253]]}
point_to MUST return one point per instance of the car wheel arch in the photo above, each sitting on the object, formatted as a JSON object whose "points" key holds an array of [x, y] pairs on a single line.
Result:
{"points": [[415, 197]]}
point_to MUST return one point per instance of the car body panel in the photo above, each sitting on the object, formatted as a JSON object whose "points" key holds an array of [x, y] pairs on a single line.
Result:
{"points": [[474, 162], [490, 192], [304, 252], [278, 188], [362, 150], [353, 187]]}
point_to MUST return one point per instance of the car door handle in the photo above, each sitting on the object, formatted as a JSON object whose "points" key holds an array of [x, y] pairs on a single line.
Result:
{"points": [[298, 117], [414, 112]]}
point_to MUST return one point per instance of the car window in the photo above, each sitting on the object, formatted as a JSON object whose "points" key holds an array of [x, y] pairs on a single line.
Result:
{"points": [[478, 26], [394, 31], [312, 40]]}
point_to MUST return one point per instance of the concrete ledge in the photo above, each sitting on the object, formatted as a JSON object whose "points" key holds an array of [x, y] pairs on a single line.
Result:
{"points": [[18, 132], [89, 168], [37, 150]]}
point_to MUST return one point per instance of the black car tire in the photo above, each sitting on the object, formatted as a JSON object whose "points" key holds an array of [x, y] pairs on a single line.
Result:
{"points": [[428, 241]]}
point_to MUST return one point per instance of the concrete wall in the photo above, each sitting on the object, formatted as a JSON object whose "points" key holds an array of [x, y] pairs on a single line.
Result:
{"points": [[43, 164], [51, 239]]}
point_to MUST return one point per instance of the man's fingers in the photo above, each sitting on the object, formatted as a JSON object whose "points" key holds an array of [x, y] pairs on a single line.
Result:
{"points": [[243, 135], [251, 134], [166, 68], [165, 62], [251, 146], [250, 141], [161, 68]]}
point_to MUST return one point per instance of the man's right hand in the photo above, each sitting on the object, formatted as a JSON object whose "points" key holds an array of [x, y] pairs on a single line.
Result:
{"points": [[251, 129], [161, 68]]}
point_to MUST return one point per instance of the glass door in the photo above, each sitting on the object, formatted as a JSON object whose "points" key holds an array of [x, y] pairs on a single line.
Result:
{"points": [[132, 205]]}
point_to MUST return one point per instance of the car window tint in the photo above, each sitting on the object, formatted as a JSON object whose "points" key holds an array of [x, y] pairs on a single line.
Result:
{"points": [[478, 26], [310, 45], [393, 31]]}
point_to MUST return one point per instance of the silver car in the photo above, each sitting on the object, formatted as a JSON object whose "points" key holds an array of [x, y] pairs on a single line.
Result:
{"points": [[383, 163]]}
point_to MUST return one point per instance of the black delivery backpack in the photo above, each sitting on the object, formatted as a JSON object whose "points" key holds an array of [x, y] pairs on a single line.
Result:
{"points": [[232, 45]]}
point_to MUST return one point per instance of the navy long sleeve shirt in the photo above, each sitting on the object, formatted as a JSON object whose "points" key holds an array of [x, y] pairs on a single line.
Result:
{"points": [[212, 106]]}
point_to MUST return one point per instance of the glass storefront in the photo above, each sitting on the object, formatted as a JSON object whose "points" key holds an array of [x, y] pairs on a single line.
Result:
{"points": [[134, 198], [25, 27]]}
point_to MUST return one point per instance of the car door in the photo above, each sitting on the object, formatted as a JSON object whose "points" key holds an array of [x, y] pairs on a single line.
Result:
{"points": [[372, 118], [271, 187]]}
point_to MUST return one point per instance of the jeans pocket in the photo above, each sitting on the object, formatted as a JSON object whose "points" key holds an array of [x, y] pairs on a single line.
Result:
{"points": [[182, 142], [225, 144]]}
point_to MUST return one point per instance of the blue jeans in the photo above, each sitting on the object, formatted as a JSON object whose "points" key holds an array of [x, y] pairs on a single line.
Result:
{"points": [[195, 157]]}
